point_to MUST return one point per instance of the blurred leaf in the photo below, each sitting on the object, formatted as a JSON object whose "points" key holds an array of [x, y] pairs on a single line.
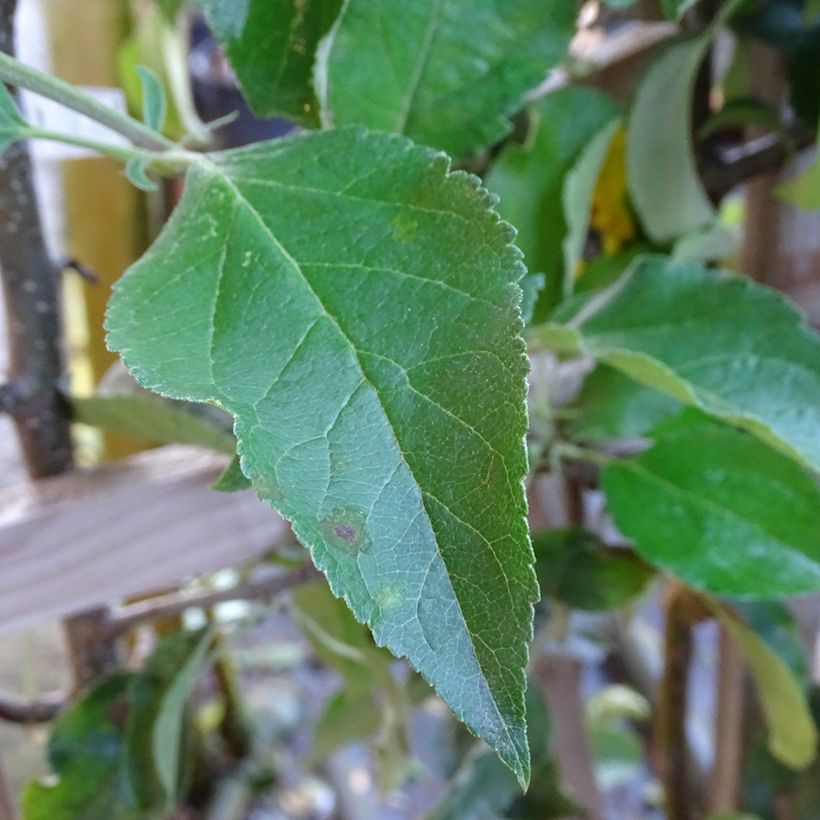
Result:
{"points": [[159, 42], [735, 349], [675, 9], [774, 624], [485, 790], [743, 111], [448, 73], [232, 480], [663, 179], [372, 701], [613, 406], [720, 509], [152, 418], [713, 243], [156, 726], [529, 179], [12, 124], [804, 190], [154, 102], [271, 45], [574, 567], [85, 750], [579, 188], [531, 286], [792, 733]]}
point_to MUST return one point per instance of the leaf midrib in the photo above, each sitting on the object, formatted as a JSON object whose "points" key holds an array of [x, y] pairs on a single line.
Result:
{"points": [[211, 168]]}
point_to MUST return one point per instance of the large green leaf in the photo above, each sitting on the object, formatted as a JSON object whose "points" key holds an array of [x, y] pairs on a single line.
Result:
{"points": [[157, 718], [663, 180], [271, 45], [447, 73], [85, 751], [529, 179], [720, 509], [355, 306], [733, 348]]}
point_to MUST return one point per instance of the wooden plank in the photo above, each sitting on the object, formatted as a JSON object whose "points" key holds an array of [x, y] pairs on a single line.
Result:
{"points": [[85, 539]]}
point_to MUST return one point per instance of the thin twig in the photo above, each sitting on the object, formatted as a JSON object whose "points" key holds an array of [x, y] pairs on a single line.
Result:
{"points": [[173, 603], [31, 284]]}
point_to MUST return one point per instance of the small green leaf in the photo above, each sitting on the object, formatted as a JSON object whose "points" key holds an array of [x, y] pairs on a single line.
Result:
{"points": [[529, 179], [447, 73], [663, 180], [271, 45], [574, 567], [135, 170], [720, 509], [85, 750], [153, 419], [613, 406], [232, 480], [341, 294], [792, 733], [157, 717], [12, 125], [713, 243], [735, 349], [154, 103]]}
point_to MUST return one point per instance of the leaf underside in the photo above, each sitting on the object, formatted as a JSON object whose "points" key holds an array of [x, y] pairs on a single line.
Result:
{"points": [[424, 72], [354, 305]]}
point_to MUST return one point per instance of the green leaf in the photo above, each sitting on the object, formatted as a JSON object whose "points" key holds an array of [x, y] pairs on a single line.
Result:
{"points": [[733, 348], [613, 406], [154, 103], [153, 419], [136, 171], [574, 567], [271, 45], [529, 179], [447, 73], [792, 733], [579, 188], [85, 752], [342, 294], [157, 718], [720, 509], [232, 480], [663, 180], [12, 125], [713, 243]]}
